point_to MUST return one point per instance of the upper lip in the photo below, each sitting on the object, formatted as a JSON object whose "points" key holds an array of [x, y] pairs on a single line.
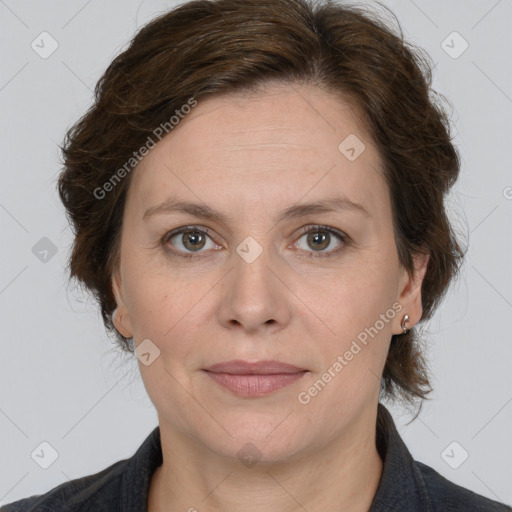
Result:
{"points": [[239, 367]]}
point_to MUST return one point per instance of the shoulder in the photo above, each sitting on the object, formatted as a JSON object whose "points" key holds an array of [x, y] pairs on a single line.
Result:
{"points": [[99, 491], [449, 497], [123, 486]]}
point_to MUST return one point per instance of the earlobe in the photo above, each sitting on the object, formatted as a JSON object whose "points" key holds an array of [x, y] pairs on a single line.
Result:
{"points": [[117, 320], [410, 296]]}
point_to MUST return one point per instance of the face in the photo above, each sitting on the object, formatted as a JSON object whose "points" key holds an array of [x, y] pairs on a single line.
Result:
{"points": [[266, 278]]}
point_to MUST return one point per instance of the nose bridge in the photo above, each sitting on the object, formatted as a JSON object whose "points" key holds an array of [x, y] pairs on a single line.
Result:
{"points": [[254, 295], [252, 268]]}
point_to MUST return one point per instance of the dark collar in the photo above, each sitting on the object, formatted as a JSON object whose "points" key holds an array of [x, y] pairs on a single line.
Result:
{"points": [[401, 485], [137, 477]]}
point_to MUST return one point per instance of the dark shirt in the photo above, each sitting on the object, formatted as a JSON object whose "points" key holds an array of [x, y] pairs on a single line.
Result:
{"points": [[405, 485]]}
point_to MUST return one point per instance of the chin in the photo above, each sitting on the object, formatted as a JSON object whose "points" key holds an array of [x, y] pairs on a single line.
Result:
{"points": [[259, 441], [250, 451]]}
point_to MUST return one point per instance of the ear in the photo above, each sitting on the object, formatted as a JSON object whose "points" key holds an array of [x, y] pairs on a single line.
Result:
{"points": [[410, 292], [120, 316]]}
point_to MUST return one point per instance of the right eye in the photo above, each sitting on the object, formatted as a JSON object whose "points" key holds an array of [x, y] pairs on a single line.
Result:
{"points": [[187, 241]]}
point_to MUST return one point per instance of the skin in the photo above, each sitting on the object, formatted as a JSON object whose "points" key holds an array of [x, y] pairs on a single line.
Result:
{"points": [[249, 157]]}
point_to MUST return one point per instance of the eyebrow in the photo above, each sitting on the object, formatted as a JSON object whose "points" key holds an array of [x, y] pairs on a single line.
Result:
{"points": [[299, 210]]}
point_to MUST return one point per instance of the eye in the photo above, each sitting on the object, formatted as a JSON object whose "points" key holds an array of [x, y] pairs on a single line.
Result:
{"points": [[187, 241], [320, 238], [190, 240]]}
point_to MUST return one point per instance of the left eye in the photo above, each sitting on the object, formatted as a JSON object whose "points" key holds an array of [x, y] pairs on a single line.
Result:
{"points": [[319, 238]]}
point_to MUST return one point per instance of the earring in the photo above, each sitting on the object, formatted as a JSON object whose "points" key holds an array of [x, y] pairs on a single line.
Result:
{"points": [[405, 319]]}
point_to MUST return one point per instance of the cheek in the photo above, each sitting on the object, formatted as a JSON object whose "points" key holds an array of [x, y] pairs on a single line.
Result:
{"points": [[168, 309], [354, 298], [156, 302], [358, 308], [354, 356]]}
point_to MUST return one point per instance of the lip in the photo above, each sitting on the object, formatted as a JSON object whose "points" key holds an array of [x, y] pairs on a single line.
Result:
{"points": [[240, 367], [254, 379]]}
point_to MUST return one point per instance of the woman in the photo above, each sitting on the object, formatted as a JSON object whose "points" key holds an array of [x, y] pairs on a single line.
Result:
{"points": [[258, 203]]}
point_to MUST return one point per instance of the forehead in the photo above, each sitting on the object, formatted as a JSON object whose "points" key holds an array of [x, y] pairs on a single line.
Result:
{"points": [[253, 150]]}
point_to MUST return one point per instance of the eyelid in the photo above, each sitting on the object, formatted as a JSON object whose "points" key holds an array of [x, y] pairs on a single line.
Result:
{"points": [[321, 227]]}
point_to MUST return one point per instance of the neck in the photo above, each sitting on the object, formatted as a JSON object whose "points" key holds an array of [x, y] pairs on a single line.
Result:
{"points": [[342, 475]]}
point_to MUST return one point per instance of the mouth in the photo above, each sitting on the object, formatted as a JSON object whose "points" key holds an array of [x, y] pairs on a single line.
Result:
{"points": [[260, 378]]}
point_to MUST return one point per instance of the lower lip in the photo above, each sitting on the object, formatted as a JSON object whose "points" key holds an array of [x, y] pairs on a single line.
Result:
{"points": [[254, 385]]}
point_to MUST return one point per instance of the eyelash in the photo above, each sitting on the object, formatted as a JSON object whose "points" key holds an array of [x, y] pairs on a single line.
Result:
{"points": [[205, 231]]}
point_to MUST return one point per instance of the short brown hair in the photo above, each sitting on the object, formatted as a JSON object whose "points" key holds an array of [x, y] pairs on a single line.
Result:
{"points": [[207, 47]]}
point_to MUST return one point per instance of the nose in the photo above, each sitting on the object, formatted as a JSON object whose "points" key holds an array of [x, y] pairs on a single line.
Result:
{"points": [[254, 297]]}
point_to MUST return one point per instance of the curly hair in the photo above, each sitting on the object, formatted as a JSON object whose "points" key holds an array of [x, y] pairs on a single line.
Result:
{"points": [[207, 47]]}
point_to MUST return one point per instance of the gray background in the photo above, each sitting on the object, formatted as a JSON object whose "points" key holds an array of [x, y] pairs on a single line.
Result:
{"points": [[60, 378]]}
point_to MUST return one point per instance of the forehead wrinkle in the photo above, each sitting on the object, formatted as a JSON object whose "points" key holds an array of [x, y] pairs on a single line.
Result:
{"points": [[268, 145]]}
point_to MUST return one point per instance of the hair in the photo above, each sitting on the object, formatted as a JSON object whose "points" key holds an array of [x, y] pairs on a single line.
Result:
{"points": [[208, 47]]}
